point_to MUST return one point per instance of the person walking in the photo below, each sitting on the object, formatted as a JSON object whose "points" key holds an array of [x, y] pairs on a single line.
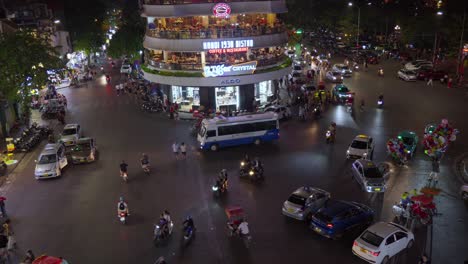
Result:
{"points": [[175, 150], [449, 83], [2, 206], [429, 82], [29, 257], [424, 259], [183, 150]]}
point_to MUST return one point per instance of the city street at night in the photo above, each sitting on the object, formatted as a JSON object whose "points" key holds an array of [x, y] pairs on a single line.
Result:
{"points": [[233, 132], [74, 216]]}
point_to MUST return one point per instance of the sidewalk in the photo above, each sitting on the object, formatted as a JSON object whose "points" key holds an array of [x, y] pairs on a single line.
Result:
{"points": [[35, 117]]}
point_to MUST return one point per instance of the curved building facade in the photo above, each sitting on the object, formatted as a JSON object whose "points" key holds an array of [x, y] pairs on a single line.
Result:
{"points": [[224, 56]]}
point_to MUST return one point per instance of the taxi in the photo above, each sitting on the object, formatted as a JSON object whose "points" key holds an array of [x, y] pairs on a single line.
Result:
{"points": [[362, 147]]}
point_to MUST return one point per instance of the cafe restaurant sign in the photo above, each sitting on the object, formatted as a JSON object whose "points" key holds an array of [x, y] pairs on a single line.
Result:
{"points": [[231, 70], [221, 10], [228, 44]]}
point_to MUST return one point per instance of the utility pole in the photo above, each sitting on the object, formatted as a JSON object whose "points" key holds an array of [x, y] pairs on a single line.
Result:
{"points": [[358, 25], [460, 55]]}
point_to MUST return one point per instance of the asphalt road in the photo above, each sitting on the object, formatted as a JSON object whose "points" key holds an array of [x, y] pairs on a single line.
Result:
{"points": [[75, 216]]}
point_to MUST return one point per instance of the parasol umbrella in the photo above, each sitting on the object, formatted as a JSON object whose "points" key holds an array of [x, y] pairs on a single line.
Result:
{"points": [[49, 260], [423, 199]]}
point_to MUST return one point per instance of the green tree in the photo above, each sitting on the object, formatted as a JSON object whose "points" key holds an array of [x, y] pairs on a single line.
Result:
{"points": [[128, 40], [24, 60]]}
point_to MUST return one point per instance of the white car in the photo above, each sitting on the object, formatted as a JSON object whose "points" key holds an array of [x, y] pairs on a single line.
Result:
{"points": [[70, 134], [343, 69], [334, 76], [304, 202], [51, 161], [281, 110], [362, 147], [407, 75], [371, 177], [126, 69], [297, 68], [418, 65], [381, 241]]}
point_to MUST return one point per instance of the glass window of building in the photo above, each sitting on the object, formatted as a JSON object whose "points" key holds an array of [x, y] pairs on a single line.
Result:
{"points": [[188, 98], [264, 91], [227, 98]]}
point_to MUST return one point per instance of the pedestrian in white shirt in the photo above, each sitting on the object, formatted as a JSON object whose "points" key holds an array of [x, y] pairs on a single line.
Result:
{"points": [[175, 149], [183, 150]]}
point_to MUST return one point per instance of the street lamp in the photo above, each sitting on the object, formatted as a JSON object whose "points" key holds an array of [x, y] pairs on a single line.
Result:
{"points": [[358, 22]]}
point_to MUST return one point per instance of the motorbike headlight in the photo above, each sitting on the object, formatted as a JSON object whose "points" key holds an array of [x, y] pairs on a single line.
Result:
{"points": [[408, 151], [214, 188], [242, 163], [251, 173], [365, 154], [347, 152], [334, 78]]}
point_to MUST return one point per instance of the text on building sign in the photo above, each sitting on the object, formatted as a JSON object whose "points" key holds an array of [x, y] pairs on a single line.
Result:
{"points": [[228, 44]]}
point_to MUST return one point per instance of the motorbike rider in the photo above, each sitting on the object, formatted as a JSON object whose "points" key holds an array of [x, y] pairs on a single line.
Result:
{"points": [[166, 221], [188, 223], [144, 161], [257, 166], [332, 129], [122, 207], [380, 72], [223, 179], [243, 228], [123, 168]]}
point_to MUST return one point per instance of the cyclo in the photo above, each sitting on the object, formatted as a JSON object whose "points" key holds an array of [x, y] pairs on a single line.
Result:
{"points": [[235, 215]]}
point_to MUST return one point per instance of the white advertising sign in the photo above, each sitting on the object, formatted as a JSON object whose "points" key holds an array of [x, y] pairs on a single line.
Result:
{"points": [[236, 69]]}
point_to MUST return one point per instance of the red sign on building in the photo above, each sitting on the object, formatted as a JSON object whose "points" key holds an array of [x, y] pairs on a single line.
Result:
{"points": [[221, 10]]}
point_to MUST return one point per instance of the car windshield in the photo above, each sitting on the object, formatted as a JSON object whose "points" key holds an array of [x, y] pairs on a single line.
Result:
{"points": [[343, 67], [335, 73], [202, 131], [83, 146], [69, 131], [47, 159], [372, 173], [372, 238], [357, 144], [343, 89], [296, 199], [323, 217], [297, 68], [407, 141], [296, 75]]}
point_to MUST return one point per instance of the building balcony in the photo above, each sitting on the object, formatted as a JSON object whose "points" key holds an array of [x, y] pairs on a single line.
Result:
{"points": [[184, 8], [198, 67], [269, 70], [193, 41], [213, 33]]}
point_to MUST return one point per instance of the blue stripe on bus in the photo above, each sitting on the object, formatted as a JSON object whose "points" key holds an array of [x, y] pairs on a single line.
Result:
{"points": [[268, 136]]}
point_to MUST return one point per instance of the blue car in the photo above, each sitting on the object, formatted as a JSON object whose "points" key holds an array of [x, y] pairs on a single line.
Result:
{"points": [[337, 217]]}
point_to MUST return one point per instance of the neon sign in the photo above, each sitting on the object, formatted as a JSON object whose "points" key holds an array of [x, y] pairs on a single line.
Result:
{"points": [[228, 44], [221, 10], [221, 51], [236, 69]]}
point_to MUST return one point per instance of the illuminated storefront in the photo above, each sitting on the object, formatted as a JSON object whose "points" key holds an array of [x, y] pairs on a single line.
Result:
{"points": [[221, 58]]}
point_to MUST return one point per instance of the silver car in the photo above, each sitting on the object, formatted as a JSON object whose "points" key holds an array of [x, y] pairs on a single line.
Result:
{"points": [[304, 202], [369, 176], [71, 133], [51, 161]]}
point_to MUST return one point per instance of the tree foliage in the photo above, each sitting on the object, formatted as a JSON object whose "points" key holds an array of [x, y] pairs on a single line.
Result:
{"points": [[24, 60], [128, 40]]}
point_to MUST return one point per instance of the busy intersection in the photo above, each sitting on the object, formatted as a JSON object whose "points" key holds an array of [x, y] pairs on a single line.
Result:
{"points": [[74, 216]]}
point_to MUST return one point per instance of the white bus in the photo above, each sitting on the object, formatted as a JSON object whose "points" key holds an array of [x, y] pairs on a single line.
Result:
{"points": [[222, 131]]}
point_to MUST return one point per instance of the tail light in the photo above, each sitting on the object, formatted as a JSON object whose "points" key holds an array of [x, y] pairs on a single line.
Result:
{"points": [[375, 254], [122, 214], [355, 244], [330, 225]]}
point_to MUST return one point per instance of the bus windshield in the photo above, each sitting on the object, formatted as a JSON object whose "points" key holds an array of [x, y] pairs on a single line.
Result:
{"points": [[202, 131]]}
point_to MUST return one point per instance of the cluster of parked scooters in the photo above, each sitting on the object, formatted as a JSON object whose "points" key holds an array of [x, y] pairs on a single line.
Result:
{"points": [[152, 106], [31, 137]]}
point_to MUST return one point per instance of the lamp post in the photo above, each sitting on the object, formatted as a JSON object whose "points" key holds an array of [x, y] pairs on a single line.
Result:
{"points": [[439, 13]]}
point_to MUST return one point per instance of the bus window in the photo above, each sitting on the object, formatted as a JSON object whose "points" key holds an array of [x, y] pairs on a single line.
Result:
{"points": [[211, 133]]}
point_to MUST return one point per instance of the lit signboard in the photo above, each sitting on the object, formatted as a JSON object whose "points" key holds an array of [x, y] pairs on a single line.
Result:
{"points": [[222, 51], [228, 44], [221, 10], [236, 69]]}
